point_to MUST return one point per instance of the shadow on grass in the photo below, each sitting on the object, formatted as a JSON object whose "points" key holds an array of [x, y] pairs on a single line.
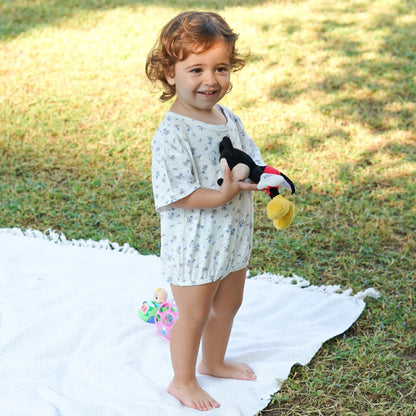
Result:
{"points": [[377, 93], [18, 17]]}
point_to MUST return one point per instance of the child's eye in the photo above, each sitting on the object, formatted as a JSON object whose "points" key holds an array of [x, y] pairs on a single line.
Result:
{"points": [[222, 69], [196, 70]]}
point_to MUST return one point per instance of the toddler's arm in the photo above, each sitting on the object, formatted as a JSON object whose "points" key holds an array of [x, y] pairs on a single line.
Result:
{"points": [[211, 198]]}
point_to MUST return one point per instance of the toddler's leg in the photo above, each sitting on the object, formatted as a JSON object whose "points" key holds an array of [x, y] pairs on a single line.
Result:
{"points": [[194, 303], [225, 305]]}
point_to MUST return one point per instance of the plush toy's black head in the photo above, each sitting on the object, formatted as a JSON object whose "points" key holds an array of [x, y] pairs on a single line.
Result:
{"points": [[235, 157]]}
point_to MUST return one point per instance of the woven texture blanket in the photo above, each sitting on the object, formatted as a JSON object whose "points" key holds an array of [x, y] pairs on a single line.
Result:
{"points": [[72, 343]]}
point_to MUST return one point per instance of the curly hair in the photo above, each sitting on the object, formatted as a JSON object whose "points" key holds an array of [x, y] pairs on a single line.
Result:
{"points": [[189, 32]]}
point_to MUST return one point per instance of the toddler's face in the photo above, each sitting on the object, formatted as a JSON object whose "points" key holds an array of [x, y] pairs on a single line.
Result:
{"points": [[202, 79]]}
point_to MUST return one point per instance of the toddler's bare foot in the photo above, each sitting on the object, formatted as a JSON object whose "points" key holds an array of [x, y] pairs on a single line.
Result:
{"points": [[191, 395], [238, 371]]}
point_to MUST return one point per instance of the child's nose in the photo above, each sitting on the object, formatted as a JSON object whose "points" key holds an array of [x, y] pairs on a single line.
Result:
{"points": [[210, 78]]}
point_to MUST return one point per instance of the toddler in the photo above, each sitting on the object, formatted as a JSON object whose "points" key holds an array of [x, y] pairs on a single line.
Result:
{"points": [[206, 229]]}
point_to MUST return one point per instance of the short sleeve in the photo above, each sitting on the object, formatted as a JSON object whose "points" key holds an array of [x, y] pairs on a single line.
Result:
{"points": [[173, 170]]}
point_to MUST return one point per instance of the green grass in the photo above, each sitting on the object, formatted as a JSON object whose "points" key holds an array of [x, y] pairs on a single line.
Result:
{"points": [[329, 96]]}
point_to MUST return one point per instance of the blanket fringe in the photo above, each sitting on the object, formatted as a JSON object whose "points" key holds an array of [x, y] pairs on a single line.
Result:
{"points": [[59, 238], [298, 281]]}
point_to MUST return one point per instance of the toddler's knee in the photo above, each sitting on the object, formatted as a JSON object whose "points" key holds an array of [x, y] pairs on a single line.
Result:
{"points": [[227, 310], [196, 318]]}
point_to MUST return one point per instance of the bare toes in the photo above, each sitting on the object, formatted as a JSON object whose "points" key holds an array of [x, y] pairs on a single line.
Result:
{"points": [[191, 395]]}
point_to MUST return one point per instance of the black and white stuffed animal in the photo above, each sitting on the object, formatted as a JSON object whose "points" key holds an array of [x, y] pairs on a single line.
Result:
{"points": [[243, 167]]}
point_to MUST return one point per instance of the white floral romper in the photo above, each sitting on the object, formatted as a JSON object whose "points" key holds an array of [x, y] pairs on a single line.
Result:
{"points": [[199, 246]]}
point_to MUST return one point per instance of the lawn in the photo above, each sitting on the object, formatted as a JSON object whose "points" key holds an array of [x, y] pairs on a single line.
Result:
{"points": [[328, 95]]}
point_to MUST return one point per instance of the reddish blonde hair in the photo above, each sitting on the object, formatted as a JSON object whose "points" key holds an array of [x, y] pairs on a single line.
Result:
{"points": [[189, 32]]}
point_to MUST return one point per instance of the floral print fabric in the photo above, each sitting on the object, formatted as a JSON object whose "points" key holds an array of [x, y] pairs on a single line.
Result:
{"points": [[199, 246]]}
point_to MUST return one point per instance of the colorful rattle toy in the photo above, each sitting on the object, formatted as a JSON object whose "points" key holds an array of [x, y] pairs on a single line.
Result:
{"points": [[149, 309], [165, 318], [160, 311]]}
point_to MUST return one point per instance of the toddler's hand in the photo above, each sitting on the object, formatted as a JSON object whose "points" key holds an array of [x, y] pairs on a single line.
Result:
{"points": [[230, 189]]}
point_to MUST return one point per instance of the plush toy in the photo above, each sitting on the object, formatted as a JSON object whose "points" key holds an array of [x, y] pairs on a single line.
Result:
{"points": [[149, 309], [242, 166]]}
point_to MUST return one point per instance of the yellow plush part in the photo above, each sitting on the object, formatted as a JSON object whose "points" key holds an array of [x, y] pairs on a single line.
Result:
{"points": [[278, 207], [284, 222]]}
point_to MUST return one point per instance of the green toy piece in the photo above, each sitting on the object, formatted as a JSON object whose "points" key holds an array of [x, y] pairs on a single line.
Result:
{"points": [[149, 309]]}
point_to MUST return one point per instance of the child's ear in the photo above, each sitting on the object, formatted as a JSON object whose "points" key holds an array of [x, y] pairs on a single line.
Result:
{"points": [[170, 76]]}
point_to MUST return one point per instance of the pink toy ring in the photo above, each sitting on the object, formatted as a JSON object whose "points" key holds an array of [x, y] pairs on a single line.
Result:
{"points": [[165, 318]]}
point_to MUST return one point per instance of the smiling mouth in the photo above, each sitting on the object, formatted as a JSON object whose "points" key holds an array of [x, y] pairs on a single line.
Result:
{"points": [[208, 93]]}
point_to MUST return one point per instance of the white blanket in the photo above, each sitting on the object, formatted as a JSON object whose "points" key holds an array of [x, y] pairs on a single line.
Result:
{"points": [[72, 343]]}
